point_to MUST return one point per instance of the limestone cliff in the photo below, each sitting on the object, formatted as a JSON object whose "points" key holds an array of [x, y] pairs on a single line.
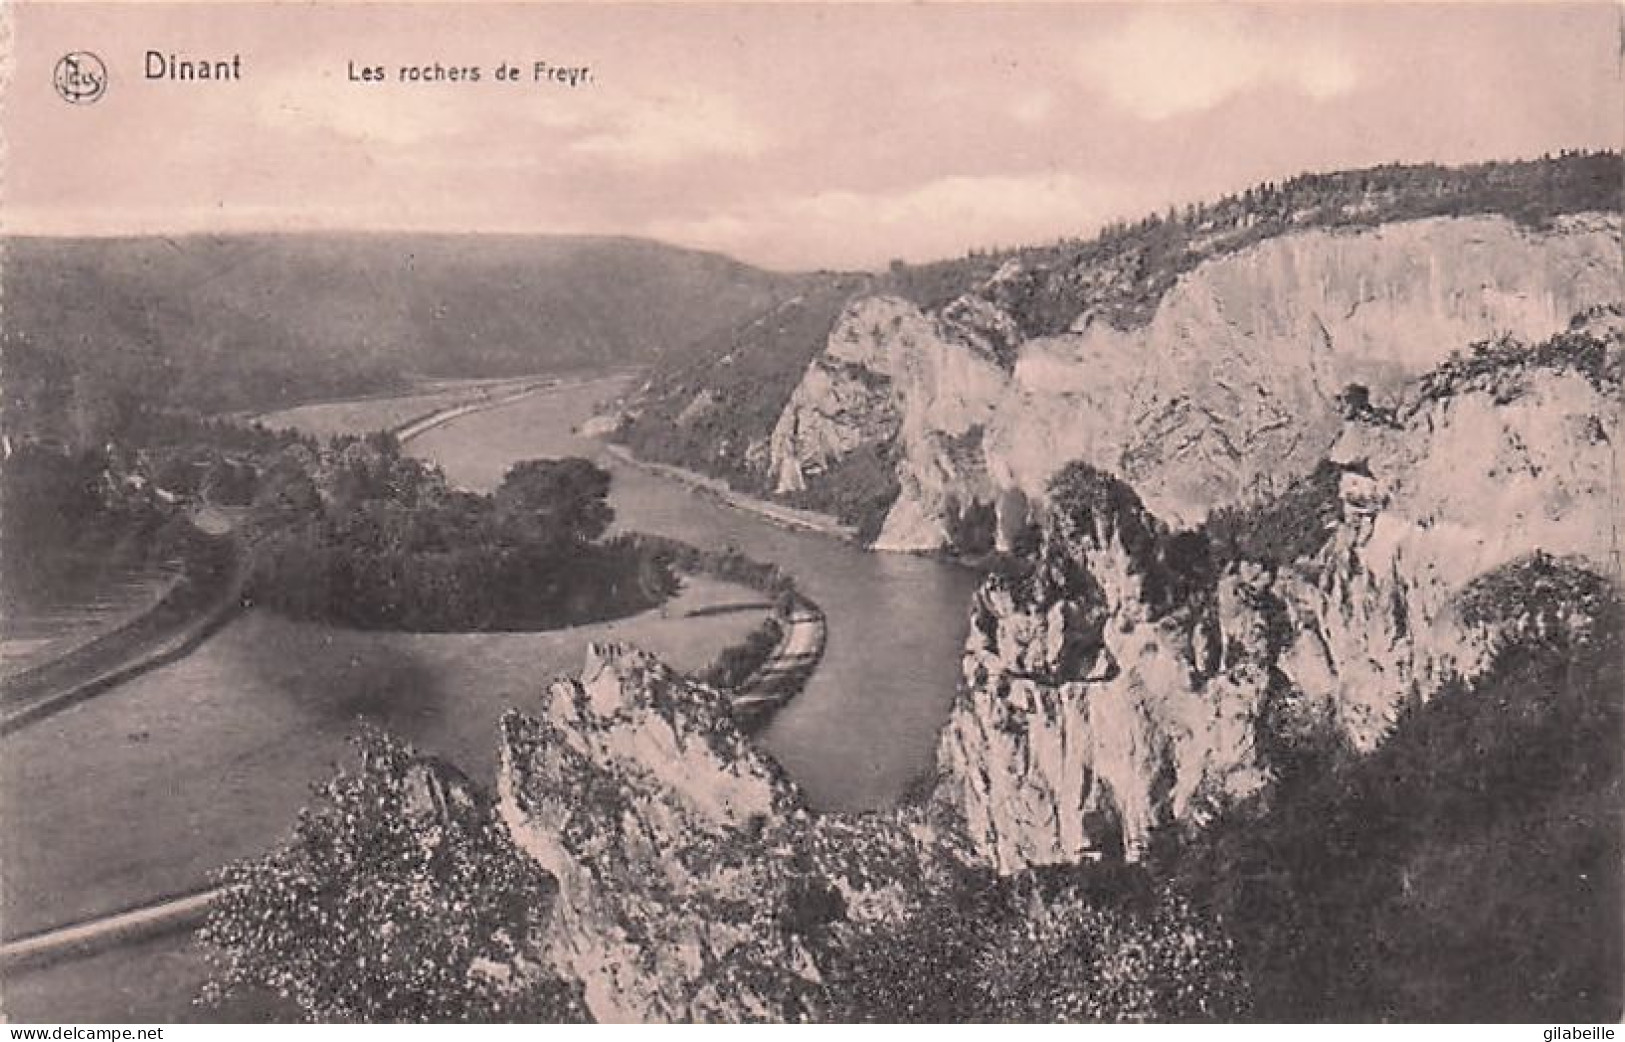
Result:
{"points": [[1228, 391], [691, 879], [893, 375], [1136, 678]]}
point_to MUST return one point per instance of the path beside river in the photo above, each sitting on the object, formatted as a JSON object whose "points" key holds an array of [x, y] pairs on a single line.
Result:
{"points": [[145, 789]]}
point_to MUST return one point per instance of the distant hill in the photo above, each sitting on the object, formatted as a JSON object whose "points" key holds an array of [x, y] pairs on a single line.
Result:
{"points": [[222, 323]]}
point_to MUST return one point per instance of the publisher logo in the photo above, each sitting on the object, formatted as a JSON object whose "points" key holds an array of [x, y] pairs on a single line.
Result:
{"points": [[80, 78]]}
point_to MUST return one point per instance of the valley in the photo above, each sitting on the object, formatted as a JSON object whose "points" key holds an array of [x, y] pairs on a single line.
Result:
{"points": [[1190, 605], [209, 759]]}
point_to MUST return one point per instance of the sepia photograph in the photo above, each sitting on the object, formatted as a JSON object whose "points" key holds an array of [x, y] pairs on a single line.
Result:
{"points": [[785, 513]]}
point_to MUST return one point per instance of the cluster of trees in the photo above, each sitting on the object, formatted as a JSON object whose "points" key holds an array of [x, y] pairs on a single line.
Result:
{"points": [[352, 531], [1496, 365], [400, 899], [68, 514], [364, 536], [1093, 943]]}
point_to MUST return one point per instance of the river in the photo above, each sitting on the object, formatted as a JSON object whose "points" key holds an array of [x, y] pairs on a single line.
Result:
{"points": [[865, 728], [144, 789]]}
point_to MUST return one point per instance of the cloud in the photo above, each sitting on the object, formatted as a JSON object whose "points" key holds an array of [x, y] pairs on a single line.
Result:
{"points": [[1170, 62], [623, 129], [373, 113], [1033, 107], [667, 129]]}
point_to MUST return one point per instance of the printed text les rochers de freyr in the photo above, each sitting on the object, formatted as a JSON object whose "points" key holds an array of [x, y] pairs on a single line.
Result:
{"points": [[543, 72]]}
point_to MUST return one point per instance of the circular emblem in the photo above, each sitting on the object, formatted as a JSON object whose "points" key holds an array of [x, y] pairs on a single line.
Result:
{"points": [[80, 78]]}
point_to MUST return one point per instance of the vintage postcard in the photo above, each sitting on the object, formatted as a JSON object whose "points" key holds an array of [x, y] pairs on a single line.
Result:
{"points": [[826, 513]]}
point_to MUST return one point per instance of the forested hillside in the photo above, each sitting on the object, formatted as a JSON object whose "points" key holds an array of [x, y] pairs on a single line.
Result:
{"points": [[1120, 275], [254, 322], [712, 412]]}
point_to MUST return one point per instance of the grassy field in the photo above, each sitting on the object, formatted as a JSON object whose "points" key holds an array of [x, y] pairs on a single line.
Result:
{"points": [[365, 415]]}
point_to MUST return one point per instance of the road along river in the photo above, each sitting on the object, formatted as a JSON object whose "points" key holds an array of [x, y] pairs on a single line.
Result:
{"points": [[140, 792], [865, 728]]}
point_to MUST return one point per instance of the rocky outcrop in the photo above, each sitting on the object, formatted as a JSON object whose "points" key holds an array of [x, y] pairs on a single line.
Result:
{"points": [[892, 375], [692, 882], [1228, 392], [1131, 682], [1098, 703]]}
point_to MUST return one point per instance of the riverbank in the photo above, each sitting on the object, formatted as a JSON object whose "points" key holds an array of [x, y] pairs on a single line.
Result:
{"points": [[207, 595], [412, 428], [197, 602], [802, 637], [362, 414], [721, 491]]}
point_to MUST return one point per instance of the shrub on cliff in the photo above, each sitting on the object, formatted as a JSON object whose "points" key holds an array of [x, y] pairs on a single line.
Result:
{"points": [[400, 898], [1073, 945], [1280, 529], [1467, 870], [1501, 367]]}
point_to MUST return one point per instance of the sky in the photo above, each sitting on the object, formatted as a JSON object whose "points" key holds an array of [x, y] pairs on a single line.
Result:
{"points": [[787, 135]]}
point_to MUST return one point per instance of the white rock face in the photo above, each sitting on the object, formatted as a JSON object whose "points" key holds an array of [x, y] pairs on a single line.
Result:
{"points": [[1093, 710], [617, 767], [1467, 484], [1099, 707], [892, 374], [689, 871], [1228, 392]]}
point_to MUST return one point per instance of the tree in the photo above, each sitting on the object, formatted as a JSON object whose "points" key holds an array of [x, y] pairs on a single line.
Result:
{"points": [[401, 898], [566, 498], [1354, 400], [1074, 958], [1058, 945]]}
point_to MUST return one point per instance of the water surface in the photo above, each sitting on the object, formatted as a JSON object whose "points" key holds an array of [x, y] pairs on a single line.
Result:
{"points": [[866, 727]]}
